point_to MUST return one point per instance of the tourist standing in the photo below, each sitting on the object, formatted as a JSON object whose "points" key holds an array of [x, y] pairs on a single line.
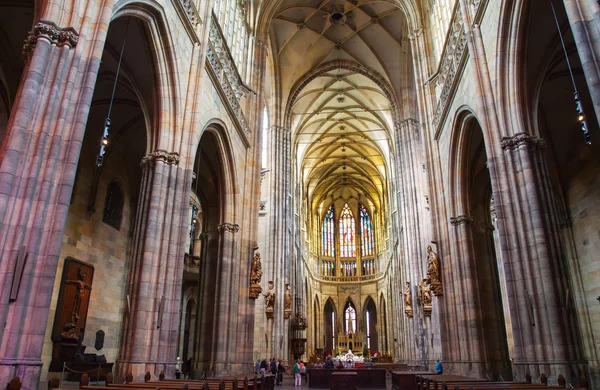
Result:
{"points": [[297, 378], [439, 368], [263, 367], [257, 367], [280, 371], [178, 365]]}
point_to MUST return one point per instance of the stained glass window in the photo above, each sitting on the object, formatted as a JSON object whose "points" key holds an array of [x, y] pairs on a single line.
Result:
{"points": [[366, 233], [350, 319], [347, 229], [328, 238]]}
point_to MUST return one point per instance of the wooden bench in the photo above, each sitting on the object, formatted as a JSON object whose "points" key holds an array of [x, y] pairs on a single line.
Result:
{"points": [[457, 382], [230, 383]]}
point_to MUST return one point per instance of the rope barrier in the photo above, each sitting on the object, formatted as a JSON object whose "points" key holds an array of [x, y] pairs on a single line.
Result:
{"points": [[98, 372]]}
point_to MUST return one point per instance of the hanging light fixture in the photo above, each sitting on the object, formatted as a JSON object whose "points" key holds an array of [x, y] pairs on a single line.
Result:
{"points": [[105, 134], [578, 106]]}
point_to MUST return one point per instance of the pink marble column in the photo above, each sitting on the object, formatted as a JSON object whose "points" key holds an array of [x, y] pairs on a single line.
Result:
{"points": [[470, 355], [545, 338], [151, 322], [37, 170]]}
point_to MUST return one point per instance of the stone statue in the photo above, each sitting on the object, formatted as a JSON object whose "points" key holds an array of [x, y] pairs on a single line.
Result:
{"points": [[425, 295], [270, 300], [287, 302], [407, 300], [257, 272], [433, 271], [255, 277]]}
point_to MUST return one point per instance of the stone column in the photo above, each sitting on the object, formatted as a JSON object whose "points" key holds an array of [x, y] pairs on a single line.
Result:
{"points": [[465, 295], [584, 17], [150, 326], [202, 346], [225, 334], [408, 147], [280, 231], [38, 160], [534, 264]]}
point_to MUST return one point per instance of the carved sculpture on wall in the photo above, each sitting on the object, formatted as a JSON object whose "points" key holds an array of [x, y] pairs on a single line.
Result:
{"points": [[287, 302], [270, 300], [256, 277], [407, 300], [71, 311], [425, 296], [434, 272]]}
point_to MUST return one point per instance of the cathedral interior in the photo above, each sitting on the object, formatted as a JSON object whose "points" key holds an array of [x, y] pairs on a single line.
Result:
{"points": [[227, 181]]}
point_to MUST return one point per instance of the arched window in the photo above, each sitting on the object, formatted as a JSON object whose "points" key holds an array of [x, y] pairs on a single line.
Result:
{"points": [[347, 231], [328, 244], [113, 205], [367, 247], [350, 316]]}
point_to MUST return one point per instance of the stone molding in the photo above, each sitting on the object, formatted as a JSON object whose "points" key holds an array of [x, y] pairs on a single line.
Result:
{"points": [[204, 235], [281, 129], [160, 155], [450, 67], [459, 220], [520, 139], [226, 73], [228, 227], [59, 36]]}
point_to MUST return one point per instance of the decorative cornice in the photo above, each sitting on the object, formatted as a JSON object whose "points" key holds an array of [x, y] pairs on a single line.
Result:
{"points": [[451, 66], [66, 36], [521, 139], [160, 155], [228, 227], [227, 76], [455, 221]]}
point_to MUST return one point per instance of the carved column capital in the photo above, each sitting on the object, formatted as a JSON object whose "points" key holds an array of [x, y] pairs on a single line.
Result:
{"points": [[461, 219], [520, 139], [65, 36], [204, 236], [160, 155], [228, 227]]}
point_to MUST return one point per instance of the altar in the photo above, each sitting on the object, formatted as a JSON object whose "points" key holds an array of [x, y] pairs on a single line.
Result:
{"points": [[350, 341]]}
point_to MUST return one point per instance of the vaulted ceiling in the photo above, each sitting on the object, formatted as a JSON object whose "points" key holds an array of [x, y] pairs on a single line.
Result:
{"points": [[341, 66]]}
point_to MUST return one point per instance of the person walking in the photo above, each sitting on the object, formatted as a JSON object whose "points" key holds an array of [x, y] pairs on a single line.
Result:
{"points": [[273, 367], [297, 377], [257, 367], [439, 368]]}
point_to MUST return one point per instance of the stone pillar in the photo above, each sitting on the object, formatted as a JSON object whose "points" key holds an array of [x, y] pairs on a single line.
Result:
{"points": [[151, 323], [464, 293], [202, 345], [534, 264], [227, 309], [408, 147], [584, 17], [280, 235], [38, 160]]}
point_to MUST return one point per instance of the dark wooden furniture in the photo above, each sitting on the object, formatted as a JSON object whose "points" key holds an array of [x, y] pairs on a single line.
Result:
{"points": [[406, 380], [344, 380], [366, 377]]}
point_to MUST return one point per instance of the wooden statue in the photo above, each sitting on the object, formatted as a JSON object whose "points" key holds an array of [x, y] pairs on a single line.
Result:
{"points": [[287, 302], [407, 300], [425, 296], [434, 271], [270, 300], [256, 277]]}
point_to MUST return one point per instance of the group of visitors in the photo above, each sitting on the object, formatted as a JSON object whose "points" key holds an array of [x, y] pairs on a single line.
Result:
{"points": [[299, 372], [273, 366]]}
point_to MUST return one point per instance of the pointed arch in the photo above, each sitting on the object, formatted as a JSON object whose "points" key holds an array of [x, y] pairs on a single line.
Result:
{"points": [[367, 240], [328, 233], [330, 326], [347, 231], [350, 317]]}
